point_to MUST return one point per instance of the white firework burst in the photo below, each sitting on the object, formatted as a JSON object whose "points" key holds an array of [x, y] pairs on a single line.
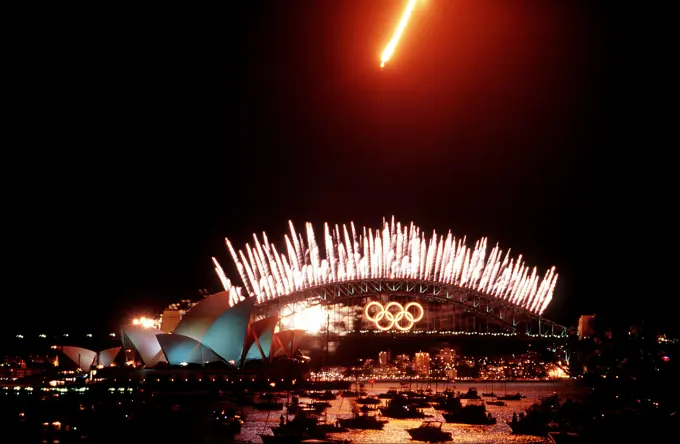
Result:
{"points": [[395, 251]]}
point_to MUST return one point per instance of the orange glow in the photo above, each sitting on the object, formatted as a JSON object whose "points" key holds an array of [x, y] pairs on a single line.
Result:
{"points": [[298, 316], [145, 322], [389, 49]]}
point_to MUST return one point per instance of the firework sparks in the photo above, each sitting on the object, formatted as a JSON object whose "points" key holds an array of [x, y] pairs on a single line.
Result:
{"points": [[395, 251], [389, 49]]}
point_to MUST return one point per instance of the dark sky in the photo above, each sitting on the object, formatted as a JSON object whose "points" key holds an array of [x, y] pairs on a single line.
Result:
{"points": [[135, 142]]}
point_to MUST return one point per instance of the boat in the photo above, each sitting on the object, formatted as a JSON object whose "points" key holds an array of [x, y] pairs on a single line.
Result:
{"points": [[516, 397], [319, 406], [227, 421], [449, 402], [430, 431], [325, 395], [349, 393], [497, 402], [268, 401], [470, 394], [472, 413], [363, 422], [417, 398], [389, 394], [316, 407], [490, 394], [400, 408], [303, 425]]}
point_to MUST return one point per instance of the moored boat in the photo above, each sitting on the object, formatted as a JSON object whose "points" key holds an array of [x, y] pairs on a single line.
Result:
{"points": [[430, 431], [472, 413], [400, 408], [363, 422]]}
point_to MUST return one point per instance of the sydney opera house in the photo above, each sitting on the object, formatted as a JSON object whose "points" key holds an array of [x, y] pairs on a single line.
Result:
{"points": [[212, 331], [86, 359]]}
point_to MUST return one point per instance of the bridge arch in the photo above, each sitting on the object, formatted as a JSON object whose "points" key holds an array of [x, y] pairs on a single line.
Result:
{"points": [[504, 316]]}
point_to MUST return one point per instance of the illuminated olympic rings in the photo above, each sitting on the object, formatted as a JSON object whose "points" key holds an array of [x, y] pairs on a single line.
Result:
{"points": [[394, 314]]}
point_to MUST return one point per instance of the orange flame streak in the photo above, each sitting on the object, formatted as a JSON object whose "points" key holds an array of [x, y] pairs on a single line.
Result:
{"points": [[389, 49]]}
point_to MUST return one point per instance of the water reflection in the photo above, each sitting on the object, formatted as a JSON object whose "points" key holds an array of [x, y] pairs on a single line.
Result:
{"points": [[258, 422]]}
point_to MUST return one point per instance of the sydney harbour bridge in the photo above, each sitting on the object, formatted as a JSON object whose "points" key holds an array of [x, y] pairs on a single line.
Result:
{"points": [[360, 307], [393, 281], [367, 290]]}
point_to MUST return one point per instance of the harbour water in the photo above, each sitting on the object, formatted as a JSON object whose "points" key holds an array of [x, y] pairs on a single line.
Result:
{"points": [[259, 422]]}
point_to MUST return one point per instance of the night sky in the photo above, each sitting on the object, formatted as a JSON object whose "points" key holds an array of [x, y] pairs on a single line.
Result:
{"points": [[136, 142]]}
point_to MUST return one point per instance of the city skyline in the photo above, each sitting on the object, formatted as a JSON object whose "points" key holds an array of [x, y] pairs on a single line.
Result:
{"points": [[146, 149]]}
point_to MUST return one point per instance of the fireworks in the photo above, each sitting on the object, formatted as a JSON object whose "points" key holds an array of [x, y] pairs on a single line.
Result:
{"points": [[146, 322], [395, 251], [389, 49]]}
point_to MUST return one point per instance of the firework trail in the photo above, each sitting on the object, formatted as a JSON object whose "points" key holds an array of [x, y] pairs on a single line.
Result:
{"points": [[234, 292], [395, 251], [389, 49]]}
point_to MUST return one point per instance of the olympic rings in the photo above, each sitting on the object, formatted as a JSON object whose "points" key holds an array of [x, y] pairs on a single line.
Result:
{"points": [[394, 314]]}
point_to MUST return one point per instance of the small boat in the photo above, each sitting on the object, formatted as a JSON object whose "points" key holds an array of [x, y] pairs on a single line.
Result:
{"points": [[369, 400], [389, 394], [490, 394], [363, 422], [417, 399], [516, 397], [268, 401], [497, 402], [349, 393], [326, 395], [400, 407], [472, 413], [470, 394], [227, 421], [268, 405], [430, 431], [449, 402]]}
